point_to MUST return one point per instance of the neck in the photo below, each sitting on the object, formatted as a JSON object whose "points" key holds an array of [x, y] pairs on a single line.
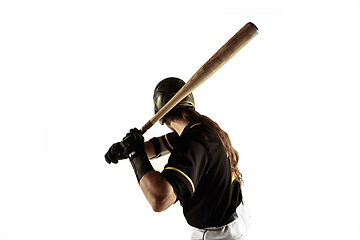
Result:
{"points": [[179, 125]]}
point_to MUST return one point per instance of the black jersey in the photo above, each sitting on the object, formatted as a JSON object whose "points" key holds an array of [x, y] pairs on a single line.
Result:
{"points": [[199, 171]]}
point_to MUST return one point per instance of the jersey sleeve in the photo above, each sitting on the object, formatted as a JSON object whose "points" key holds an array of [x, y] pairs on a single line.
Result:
{"points": [[169, 140], [186, 165]]}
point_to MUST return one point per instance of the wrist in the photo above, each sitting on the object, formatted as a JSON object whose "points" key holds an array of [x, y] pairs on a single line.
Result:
{"points": [[141, 164]]}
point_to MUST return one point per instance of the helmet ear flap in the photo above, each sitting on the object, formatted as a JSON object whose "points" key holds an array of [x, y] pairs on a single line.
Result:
{"points": [[165, 90]]}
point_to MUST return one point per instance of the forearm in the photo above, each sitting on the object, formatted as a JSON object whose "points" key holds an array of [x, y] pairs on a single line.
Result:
{"points": [[157, 191], [149, 149]]}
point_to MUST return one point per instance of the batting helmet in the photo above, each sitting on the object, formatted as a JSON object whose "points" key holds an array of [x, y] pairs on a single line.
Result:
{"points": [[165, 90]]}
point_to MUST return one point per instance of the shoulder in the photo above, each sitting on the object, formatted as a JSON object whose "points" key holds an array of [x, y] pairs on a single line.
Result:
{"points": [[199, 132]]}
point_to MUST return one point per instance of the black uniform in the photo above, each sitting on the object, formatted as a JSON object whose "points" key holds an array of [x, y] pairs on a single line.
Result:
{"points": [[199, 171]]}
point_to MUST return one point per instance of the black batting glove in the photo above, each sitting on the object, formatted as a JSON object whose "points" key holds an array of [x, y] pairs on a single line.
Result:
{"points": [[115, 153], [132, 143]]}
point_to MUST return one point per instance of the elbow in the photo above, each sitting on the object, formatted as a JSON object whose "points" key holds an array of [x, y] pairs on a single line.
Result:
{"points": [[159, 205], [157, 191], [162, 202], [157, 209]]}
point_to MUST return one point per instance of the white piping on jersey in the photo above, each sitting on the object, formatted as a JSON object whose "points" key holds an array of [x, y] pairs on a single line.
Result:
{"points": [[182, 173]]}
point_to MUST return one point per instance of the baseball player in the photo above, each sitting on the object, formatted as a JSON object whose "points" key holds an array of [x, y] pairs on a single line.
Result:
{"points": [[201, 172]]}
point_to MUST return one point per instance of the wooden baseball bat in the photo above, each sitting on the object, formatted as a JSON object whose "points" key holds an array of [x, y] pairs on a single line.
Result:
{"points": [[224, 54]]}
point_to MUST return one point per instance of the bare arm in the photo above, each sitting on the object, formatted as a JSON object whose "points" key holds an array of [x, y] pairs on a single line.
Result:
{"points": [[158, 191], [149, 149]]}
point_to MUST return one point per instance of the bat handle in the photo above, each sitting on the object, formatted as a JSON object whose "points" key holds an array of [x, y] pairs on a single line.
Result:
{"points": [[146, 127]]}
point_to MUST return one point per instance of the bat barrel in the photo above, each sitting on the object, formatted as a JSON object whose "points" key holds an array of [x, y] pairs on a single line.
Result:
{"points": [[223, 55]]}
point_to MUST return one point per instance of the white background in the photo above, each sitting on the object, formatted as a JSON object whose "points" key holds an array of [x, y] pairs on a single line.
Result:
{"points": [[77, 75]]}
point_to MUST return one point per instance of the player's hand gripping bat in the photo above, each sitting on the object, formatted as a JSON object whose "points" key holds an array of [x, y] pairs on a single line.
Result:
{"points": [[224, 54]]}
